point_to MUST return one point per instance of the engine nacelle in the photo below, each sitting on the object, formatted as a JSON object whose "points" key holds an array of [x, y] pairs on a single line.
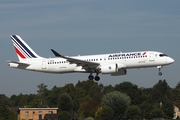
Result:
{"points": [[109, 68], [113, 69]]}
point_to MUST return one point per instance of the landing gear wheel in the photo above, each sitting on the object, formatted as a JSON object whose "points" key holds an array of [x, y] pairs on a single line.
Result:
{"points": [[90, 77], [160, 73], [97, 78], [159, 68]]}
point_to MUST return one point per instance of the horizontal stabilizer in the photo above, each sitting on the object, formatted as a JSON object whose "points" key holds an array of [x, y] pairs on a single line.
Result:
{"points": [[19, 63]]}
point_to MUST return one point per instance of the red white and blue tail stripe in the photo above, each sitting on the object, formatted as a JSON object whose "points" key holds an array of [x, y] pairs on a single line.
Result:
{"points": [[23, 51]]}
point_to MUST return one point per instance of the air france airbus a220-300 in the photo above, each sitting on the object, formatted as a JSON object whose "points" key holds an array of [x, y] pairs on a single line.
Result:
{"points": [[115, 64]]}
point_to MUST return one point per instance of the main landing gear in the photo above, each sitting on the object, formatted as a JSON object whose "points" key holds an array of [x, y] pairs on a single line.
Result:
{"points": [[91, 77], [159, 68]]}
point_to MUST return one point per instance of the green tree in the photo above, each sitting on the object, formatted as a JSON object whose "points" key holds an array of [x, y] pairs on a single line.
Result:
{"points": [[146, 108], [12, 115], [157, 113], [53, 95], [168, 109], [89, 107], [160, 91], [3, 112], [133, 112], [5, 100], [106, 113], [22, 100], [178, 86], [108, 89], [70, 89], [177, 103], [131, 90], [80, 96], [175, 93], [64, 115], [87, 97], [65, 102], [42, 90], [42, 95], [89, 118], [90, 86], [118, 102]]}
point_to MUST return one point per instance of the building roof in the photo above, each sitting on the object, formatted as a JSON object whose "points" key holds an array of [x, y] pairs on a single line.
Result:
{"points": [[38, 108]]}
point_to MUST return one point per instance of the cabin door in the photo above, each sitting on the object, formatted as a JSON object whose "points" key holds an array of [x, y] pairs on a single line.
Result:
{"points": [[44, 65], [151, 57]]}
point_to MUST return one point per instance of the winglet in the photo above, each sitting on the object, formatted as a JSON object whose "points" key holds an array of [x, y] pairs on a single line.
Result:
{"points": [[56, 53]]}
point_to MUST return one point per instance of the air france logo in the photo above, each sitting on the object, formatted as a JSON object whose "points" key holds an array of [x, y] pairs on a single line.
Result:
{"points": [[144, 53], [126, 54]]}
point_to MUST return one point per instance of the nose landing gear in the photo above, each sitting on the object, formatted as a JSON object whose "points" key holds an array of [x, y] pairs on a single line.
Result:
{"points": [[160, 73], [159, 68]]}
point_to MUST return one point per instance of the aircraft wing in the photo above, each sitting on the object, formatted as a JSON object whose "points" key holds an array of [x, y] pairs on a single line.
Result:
{"points": [[85, 64]]}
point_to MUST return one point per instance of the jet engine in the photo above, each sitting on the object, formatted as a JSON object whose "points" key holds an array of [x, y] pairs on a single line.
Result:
{"points": [[113, 69]]}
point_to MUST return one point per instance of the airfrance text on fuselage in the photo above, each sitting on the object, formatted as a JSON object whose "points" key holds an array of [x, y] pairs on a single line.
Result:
{"points": [[125, 55]]}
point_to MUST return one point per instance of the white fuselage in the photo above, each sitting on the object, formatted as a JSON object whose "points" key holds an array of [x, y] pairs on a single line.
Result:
{"points": [[125, 60], [114, 64]]}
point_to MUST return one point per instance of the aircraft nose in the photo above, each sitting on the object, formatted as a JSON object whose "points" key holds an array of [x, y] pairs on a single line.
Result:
{"points": [[171, 60]]}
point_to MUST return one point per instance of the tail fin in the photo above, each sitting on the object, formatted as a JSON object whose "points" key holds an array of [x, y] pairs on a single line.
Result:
{"points": [[22, 49]]}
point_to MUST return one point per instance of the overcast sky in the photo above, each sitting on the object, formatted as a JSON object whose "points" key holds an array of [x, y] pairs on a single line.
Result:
{"points": [[74, 27]]}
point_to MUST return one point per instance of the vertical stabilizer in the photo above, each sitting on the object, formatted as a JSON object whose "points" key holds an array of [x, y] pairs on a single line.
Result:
{"points": [[22, 49]]}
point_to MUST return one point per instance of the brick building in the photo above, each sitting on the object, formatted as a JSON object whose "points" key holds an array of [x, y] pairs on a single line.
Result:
{"points": [[37, 113]]}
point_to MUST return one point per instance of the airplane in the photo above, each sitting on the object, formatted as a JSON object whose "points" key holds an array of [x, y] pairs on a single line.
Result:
{"points": [[115, 64]]}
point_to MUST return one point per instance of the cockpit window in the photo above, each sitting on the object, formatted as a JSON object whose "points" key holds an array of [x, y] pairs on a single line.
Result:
{"points": [[162, 55]]}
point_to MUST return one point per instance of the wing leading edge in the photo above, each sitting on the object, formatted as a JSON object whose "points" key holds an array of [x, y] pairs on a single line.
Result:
{"points": [[85, 64]]}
